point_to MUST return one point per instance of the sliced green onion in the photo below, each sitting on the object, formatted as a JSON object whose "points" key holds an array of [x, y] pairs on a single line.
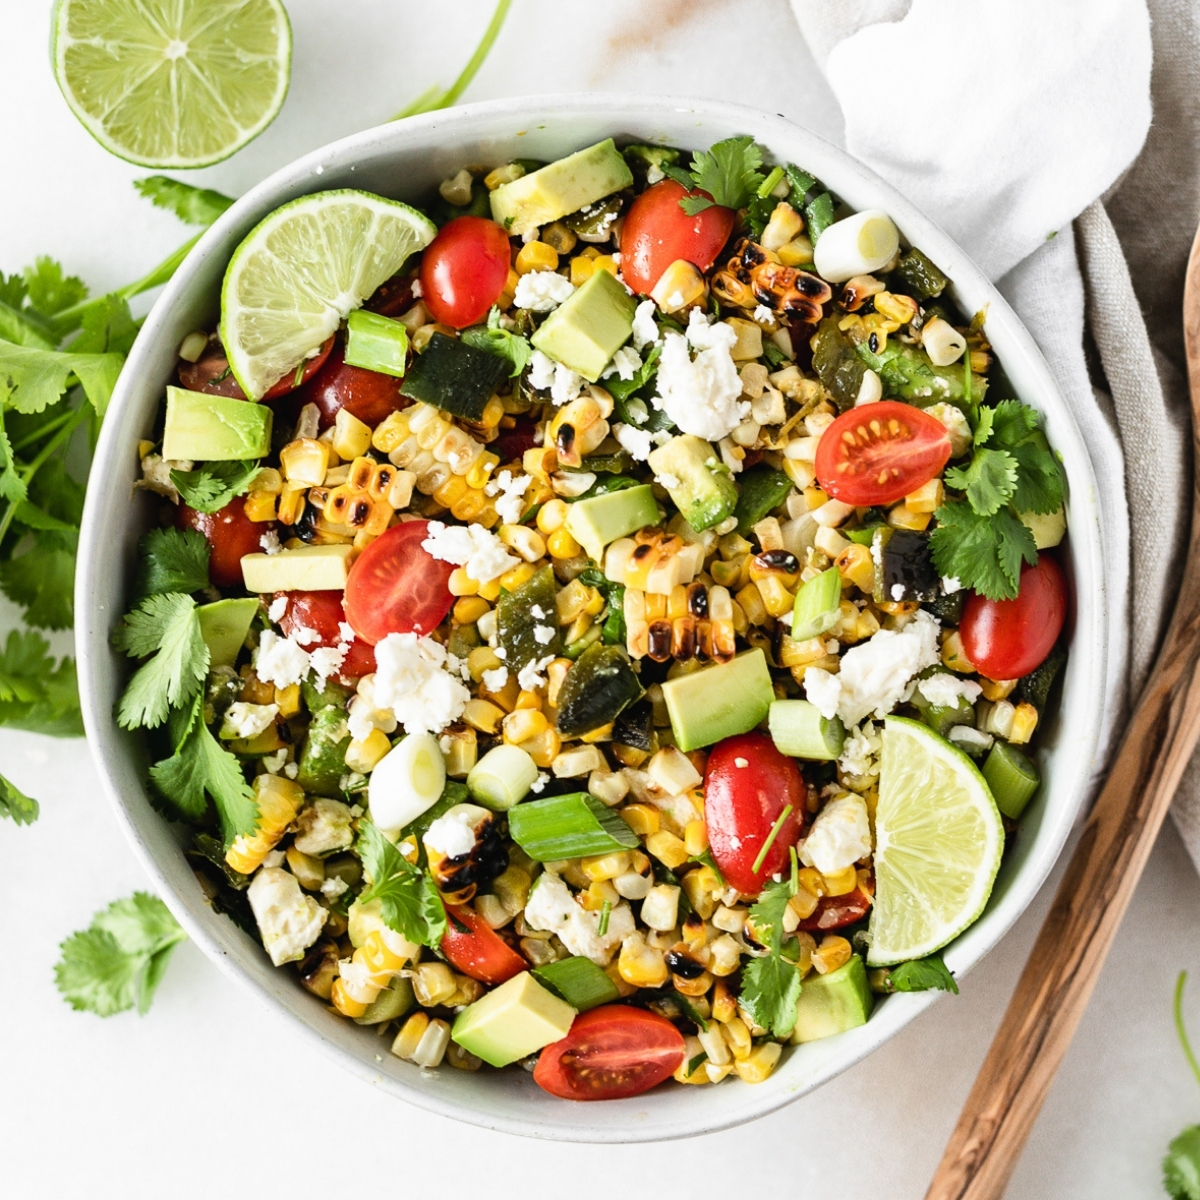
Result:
{"points": [[697, 1062], [762, 854], [605, 913], [1012, 778], [571, 826], [817, 605], [376, 343], [578, 981], [800, 731], [795, 869], [502, 777], [768, 185]]}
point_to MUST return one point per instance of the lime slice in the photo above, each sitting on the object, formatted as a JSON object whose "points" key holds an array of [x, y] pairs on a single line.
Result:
{"points": [[302, 269], [938, 841], [179, 84]]}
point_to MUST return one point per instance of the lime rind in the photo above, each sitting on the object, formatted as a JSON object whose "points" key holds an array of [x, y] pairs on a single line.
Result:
{"points": [[939, 839], [178, 86], [300, 272]]}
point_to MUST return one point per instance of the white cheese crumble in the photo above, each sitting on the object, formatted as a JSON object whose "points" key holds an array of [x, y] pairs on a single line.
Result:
{"points": [[945, 690], [453, 833], [412, 680], [645, 328], [972, 741], [860, 752], [333, 887], [543, 634], [624, 365], [305, 636], [288, 920], [839, 837], [700, 395], [957, 426], [244, 720], [495, 680], [541, 291], [669, 481], [473, 547], [763, 315], [951, 584], [323, 827], [552, 907], [509, 489], [270, 542], [278, 609], [541, 371], [540, 782], [536, 610], [281, 661], [637, 442], [530, 676]]}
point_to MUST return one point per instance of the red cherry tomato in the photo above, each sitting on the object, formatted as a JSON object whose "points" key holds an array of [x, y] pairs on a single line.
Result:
{"points": [[833, 912], [364, 394], [611, 1052], [321, 613], [747, 785], [657, 232], [880, 452], [210, 373], [230, 533], [395, 586], [464, 270], [1006, 639], [480, 952]]}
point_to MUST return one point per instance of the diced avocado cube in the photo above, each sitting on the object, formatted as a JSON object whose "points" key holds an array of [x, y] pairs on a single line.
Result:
{"points": [[719, 701], [598, 520], [224, 626], [589, 327], [208, 428], [833, 1003], [455, 377], [1048, 529], [512, 1021], [560, 188], [700, 485], [305, 569]]}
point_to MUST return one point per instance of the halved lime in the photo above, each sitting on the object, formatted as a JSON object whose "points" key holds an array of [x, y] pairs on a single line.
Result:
{"points": [[302, 269], [172, 83], [938, 841]]}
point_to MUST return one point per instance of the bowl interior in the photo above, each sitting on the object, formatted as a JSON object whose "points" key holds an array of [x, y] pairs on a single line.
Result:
{"points": [[406, 161]]}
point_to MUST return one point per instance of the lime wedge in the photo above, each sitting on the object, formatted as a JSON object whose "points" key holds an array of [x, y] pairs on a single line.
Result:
{"points": [[302, 269], [179, 84], [938, 841]]}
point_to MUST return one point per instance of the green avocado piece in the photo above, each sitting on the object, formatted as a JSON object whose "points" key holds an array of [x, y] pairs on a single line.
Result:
{"points": [[601, 519], [560, 188], [512, 1021], [703, 490], [323, 755], [303, 569], [719, 701], [224, 626], [207, 428], [1048, 529], [589, 327], [833, 1003]]}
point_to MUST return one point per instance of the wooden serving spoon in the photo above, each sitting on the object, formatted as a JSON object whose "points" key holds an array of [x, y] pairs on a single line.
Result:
{"points": [[1058, 979]]}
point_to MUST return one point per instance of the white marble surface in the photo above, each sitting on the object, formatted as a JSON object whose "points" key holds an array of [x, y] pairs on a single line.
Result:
{"points": [[206, 1094]]}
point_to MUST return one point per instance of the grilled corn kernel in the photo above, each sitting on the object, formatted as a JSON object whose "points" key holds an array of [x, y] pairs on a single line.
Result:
{"points": [[550, 518], [288, 699], [343, 1003], [606, 262], [527, 543], [410, 1035], [856, 566], [800, 907], [700, 887], [997, 689], [291, 503], [680, 286], [433, 983], [278, 801], [953, 655], [305, 461], [536, 256], [903, 517], [760, 1063], [842, 883], [582, 269], [643, 819], [260, 506], [667, 848], [927, 498], [695, 838], [642, 965], [461, 584], [811, 880], [1024, 722], [833, 952], [523, 724], [351, 437], [469, 609], [364, 755]]}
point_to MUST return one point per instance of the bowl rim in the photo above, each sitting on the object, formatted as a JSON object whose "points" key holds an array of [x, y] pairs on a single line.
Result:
{"points": [[1089, 639]]}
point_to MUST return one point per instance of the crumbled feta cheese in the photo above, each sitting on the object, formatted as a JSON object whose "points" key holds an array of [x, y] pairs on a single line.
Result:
{"points": [[305, 636], [509, 489], [537, 611], [500, 652], [823, 690], [667, 480], [860, 752], [541, 291], [281, 661], [411, 679], [700, 395], [327, 660], [566, 386], [543, 634], [945, 690], [333, 887], [278, 609], [288, 920], [495, 680], [291, 770], [645, 328], [530, 676], [839, 837], [270, 542], [273, 859], [957, 426], [624, 365], [274, 762], [898, 590], [323, 827], [763, 315], [417, 290], [453, 833], [541, 371], [479, 550], [540, 782], [951, 584], [244, 720], [552, 907], [637, 442], [973, 741]]}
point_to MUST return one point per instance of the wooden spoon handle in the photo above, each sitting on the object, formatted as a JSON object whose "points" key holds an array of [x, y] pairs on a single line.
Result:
{"points": [[1070, 950]]}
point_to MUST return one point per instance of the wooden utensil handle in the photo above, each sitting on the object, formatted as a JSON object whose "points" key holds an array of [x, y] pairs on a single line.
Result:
{"points": [[1058, 979]]}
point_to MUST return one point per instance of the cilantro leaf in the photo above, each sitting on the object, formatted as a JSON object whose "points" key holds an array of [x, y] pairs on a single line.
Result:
{"points": [[14, 804], [1013, 421], [172, 560], [983, 427], [36, 691], [989, 480], [409, 899], [622, 389], [728, 171], [1181, 1166], [213, 485], [12, 486], [12, 290], [200, 766], [192, 205], [982, 552], [31, 379], [922, 975], [43, 578], [107, 325], [118, 961], [166, 627], [49, 290], [500, 341], [1039, 477], [771, 991], [767, 915]]}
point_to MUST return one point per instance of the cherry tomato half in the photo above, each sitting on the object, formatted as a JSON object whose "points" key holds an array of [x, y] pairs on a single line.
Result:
{"points": [[395, 586], [834, 912], [210, 373], [880, 452], [611, 1052], [321, 613], [367, 395], [1006, 639], [230, 533], [464, 270], [747, 785], [479, 952], [657, 232]]}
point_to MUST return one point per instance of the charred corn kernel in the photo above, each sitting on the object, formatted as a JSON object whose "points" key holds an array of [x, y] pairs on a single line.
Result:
{"points": [[796, 253], [526, 542], [606, 866], [738, 1037], [550, 519], [461, 584], [695, 838], [700, 886], [433, 983], [953, 655], [680, 286], [926, 498], [811, 880], [785, 224], [351, 437], [361, 472], [260, 506], [288, 699], [642, 965], [724, 1003], [304, 461], [842, 883], [903, 517], [278, 800], [598, 894], [505, 299], [750, 599], [543, 747], [833, 952], [776, 599], [760, 1063], [1024, 722], [342, 1002], [469, 609], [390, 432], [643, 819], [522, 724], [536, 256], [582, 269], [410, 1035], [997, 689], [900, 309], [606, 262], [667, 848], [483, 715], [856, 566], [794, 654], [291, 504], [800, 907], [362, 756]]}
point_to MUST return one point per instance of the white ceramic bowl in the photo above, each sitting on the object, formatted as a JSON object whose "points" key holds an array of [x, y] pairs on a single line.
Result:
{"points": [[406, 161]]}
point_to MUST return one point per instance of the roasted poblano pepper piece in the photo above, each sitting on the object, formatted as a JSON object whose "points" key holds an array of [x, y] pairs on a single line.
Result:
{"points": [[907, 374], [517, 621], [596, 689], [904, 567], [1034, 688], [916, 275], [323, 755], [837, 365]]}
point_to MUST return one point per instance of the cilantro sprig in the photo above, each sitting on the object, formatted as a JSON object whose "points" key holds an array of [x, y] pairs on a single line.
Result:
{"points": [[212, 486], [15, 805], [919, 975], [981, 539], [408, 897], [729, 171], [495, 339], [1181, 1166], [771, 984]]}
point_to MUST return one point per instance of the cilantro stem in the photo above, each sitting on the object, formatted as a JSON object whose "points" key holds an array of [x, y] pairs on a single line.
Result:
{"points": [[45, 430], [795, 870], [434, 98], [762, 854], [769, 184], [61, 438], [1179, 1026], [605, 910]]}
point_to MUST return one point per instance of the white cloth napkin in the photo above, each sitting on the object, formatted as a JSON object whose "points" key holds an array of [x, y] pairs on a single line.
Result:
{"points": [[1006, 123]]}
